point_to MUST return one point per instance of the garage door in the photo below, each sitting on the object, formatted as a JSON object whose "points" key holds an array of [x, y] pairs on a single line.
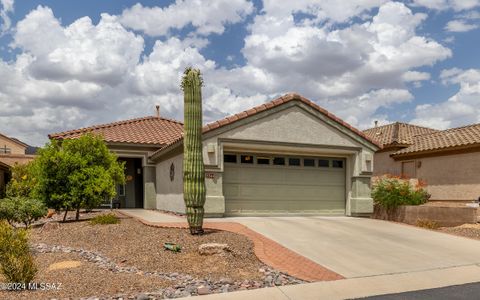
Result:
{"points": [[273, 184]]}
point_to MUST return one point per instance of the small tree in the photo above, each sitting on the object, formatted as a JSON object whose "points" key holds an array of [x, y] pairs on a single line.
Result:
{"points": [[193, 167], [77, 173], [23, 181]]}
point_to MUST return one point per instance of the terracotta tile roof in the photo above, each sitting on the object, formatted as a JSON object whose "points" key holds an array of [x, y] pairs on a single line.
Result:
{"points": [[444, 140], [397, 133], [148, 130], [274, 103]]}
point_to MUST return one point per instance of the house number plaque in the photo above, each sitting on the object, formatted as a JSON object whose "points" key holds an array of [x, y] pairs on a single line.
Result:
{"points": [[210, 175]]}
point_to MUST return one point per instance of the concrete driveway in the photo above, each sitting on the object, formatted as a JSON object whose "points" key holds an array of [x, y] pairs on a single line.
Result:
{"points": [[357, 247]]}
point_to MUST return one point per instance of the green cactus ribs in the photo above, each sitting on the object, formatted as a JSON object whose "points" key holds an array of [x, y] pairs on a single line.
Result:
{"points": [[194, 191]]}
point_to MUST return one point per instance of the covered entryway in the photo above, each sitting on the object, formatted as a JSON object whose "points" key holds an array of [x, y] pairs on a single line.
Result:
{"points": [[264, 184], [130, 194]]}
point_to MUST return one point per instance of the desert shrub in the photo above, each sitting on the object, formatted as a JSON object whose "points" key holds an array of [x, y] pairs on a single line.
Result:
{"points": [[105, 219], [16, 261], [21, 210], [429, 224], [391, 192]]}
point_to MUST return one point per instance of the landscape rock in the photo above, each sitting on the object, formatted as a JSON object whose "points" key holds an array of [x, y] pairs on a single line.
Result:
{"points": [[50, 226], [213, 248], [203, 290]]}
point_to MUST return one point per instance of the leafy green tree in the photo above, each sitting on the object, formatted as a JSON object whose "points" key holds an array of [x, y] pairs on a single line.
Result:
{"points": [[23, 181], [77, 173]]}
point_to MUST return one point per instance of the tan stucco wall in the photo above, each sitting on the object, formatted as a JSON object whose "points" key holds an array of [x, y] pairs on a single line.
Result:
{"points": [[170, 193], [451, 177], [384, 164], [448, 177], [294, 130], [15, 148]]}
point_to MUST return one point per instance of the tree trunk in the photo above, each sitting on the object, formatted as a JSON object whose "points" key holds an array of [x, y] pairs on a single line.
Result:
{"points": [[65, 215], [77, 215]]}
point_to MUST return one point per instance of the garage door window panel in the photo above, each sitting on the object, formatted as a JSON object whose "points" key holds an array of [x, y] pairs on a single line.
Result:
{"points": [[246, 159], [263, 160], [230, 158], [323, 163], [294, 162], [338, 164], [309, 162], [279, 161]]}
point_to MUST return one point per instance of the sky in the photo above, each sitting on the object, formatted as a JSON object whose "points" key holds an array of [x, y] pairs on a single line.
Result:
{"points": [[71, 64]]}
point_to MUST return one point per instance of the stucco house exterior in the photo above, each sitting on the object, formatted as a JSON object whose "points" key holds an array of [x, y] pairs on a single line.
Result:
{"points": [[12, 151], [448, 160], [288, 156]]}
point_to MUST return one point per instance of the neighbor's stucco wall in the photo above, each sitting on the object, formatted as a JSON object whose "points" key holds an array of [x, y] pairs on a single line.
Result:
{"points": [[14, 147], [448, 177], [451, 177], [384, 164]]}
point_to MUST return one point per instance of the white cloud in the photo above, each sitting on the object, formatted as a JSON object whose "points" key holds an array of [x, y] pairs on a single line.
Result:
{"points": [[207, 16], [461, 109], [460, 26], [5, 9], [94, 73], [103, 53], [457, 5]]}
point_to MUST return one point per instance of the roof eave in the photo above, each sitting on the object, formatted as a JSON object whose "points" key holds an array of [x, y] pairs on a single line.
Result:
{"points": [[437, 152]]}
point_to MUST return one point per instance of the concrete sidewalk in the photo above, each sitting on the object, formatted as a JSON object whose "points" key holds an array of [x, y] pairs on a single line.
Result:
{"points": [[152, 216], [359, 287]]}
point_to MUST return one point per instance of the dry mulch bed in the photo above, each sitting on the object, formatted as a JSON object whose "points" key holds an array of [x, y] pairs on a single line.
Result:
{"points": [[127, 261], [132, 243], [466, 230], [87, 280]]}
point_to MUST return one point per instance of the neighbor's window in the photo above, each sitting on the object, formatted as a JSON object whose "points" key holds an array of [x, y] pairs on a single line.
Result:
{"points": [[309, 162], [324, 163], [337, 163], [230, 158], [263, 160], [279, 161], [246, 159], [294, 161], [5, 150]]}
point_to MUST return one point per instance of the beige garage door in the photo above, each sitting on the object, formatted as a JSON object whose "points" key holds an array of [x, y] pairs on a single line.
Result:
{"points": [[274, 184]]}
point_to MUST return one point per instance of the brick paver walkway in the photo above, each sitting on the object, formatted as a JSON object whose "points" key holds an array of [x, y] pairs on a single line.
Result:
{"points": [[268, 251]]}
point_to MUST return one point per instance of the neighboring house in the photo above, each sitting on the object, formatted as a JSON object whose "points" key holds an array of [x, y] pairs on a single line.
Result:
{"points": [[288, 156], [12, 151], [448, 160]]}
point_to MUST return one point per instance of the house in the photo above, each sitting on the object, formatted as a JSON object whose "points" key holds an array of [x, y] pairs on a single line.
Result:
{"points": [[288, 156], [12, 151], [448, 160]]}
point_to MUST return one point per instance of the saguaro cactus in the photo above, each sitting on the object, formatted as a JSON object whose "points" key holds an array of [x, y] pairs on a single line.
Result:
{"points": [[193, 167]]}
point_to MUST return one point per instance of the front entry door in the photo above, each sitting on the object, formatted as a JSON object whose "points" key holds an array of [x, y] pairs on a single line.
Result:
{"points": [[130, 195]]}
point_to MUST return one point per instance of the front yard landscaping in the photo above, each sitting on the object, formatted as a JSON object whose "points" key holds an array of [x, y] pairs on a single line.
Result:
{"points": [[128, 260], [466, 230]]}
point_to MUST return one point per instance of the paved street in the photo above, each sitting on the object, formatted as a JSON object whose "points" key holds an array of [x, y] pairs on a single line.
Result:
{"points": [[457, 292]]}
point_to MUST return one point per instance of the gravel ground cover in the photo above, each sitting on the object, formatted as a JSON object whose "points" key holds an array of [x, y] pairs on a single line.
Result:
{"points": [[127, 261], [466, 230]]}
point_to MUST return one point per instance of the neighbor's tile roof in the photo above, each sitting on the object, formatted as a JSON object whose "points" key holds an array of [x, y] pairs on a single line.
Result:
{"points": [[397, 133], [266, 106], [148, 130], [444, 140]]}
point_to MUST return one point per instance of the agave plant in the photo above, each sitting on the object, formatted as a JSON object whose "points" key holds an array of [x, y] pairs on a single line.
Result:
{"points": [[193, 167]]}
